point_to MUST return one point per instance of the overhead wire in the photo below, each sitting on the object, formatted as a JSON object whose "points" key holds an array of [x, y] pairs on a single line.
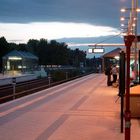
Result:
{"points": [[108, 39]]}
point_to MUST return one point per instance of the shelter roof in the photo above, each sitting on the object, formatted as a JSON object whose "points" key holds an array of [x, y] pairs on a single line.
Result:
{"points": [[22, 54], [112, 53]]}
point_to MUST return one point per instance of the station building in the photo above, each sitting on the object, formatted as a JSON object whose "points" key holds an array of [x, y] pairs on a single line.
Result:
{"points": [[20, 61]]}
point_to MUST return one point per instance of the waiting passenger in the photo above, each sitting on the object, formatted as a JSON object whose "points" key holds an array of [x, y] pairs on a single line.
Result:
{"points": [[114, 72]]}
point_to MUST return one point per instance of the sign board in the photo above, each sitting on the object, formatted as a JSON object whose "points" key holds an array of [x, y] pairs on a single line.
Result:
{"points": [[98, 50], [90, 50], [14, 80]]}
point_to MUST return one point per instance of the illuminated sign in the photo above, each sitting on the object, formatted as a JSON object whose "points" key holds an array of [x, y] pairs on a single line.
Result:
{"points": [[98, 50], [90, 50]]}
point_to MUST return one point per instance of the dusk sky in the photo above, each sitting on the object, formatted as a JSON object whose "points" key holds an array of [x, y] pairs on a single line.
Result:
{"points": [[72, 21]]}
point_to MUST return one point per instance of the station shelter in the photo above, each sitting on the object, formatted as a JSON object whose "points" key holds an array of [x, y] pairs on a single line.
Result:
{"points": [[20, 61], [111, 57]]}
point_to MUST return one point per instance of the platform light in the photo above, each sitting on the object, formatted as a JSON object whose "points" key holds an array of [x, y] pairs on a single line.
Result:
{"points": [[128, 9], [135, 18], [134, 25], [122, 25], [117, 57], [14, 58], [19, 67], [124, 18], [123, 10], [138, 9], [117, 66]]}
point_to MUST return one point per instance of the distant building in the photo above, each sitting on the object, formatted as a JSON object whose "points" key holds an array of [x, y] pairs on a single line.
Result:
{"points": [[20, 61]]}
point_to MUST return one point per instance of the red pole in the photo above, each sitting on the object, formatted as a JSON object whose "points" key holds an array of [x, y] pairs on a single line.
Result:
{"points": [[128, 42], [127, 97]]}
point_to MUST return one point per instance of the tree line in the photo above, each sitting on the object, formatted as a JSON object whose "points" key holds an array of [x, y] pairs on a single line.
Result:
{"points": [[48, 52]]}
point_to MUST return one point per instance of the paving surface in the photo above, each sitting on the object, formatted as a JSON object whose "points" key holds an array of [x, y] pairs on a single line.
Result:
{"points": [[83, 109]]}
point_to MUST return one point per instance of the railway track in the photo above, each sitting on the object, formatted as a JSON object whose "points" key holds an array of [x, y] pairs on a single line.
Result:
{"points": [[9, 92], [21, 89]]}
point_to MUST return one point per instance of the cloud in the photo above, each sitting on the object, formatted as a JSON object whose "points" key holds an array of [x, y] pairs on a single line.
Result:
{"points": [[86, 11], [54, 30]]}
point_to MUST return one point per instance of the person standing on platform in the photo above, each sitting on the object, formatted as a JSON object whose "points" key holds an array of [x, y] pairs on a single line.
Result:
{"points": [[108, 73], [114, 72]]}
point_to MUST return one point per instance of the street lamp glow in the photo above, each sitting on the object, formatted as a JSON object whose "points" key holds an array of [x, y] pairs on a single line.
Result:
{"points": [[122, 18], [135, 18], [134, 25], [128, 9], [122, 25], [123, 10], [138, 9]]}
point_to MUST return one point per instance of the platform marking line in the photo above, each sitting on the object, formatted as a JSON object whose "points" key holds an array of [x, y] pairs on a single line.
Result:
{"points": [[52, 128]]}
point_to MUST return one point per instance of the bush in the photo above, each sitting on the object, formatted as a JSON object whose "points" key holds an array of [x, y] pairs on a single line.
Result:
{"points": [[58, 75]]}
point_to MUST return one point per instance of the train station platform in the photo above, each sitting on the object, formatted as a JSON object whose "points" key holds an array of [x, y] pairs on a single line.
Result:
{"points": [[8, 79], [82, 109]]}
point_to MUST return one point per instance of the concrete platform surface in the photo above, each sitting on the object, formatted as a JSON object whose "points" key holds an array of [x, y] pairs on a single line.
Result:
{"points": [[82, 109]]}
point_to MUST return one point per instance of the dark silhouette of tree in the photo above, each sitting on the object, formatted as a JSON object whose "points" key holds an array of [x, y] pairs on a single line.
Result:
{"points": [[49, 53], [42, 50], [22, 47], [60, 53], [3, 49], [79, 57], [32, 46], [13, 46], [70, 57]]}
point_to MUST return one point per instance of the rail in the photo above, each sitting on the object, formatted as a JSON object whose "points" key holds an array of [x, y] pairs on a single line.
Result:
{"points": [[30, 87]]}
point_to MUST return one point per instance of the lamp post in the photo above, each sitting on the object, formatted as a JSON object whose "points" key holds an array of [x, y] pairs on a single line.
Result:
{"points": [[128, 42], [128, 39], [135, 41], [133, 30]]}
